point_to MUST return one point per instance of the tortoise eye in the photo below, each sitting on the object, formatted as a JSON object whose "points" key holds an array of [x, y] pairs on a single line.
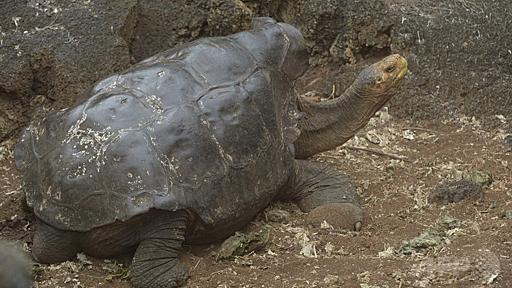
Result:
{"points": [[390, 69]]}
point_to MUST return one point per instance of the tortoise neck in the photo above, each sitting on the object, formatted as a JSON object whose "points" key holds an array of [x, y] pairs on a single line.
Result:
{"points": [[328, 124]]}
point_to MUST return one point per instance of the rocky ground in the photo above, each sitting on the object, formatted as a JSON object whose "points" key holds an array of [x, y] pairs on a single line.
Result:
{"points": [[406, 241]]}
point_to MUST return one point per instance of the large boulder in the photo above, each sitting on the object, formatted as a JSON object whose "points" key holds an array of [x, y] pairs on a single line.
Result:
{"points": [[345, 31], [56, 49], [460, 56], [459, 52], [52, 51]]}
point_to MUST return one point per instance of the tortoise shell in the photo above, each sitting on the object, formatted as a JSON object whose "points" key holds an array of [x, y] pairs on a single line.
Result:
{"points": [[206, 126]]}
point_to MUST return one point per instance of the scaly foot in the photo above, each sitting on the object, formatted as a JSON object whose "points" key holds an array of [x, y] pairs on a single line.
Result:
{"points": [[339, 215]]}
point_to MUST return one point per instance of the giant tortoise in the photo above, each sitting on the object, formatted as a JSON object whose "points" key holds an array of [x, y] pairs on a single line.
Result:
{"points": [[188, 146]]}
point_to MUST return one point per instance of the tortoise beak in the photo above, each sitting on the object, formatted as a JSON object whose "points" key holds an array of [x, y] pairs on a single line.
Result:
{"points": [[402, 63]]}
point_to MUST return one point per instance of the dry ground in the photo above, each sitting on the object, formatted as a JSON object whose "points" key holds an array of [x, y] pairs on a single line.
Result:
{"points": [[477, 253]]}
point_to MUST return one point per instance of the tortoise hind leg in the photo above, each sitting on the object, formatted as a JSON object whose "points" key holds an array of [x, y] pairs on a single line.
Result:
{"points": [[51, 245], [156, 263], [324, 193]]}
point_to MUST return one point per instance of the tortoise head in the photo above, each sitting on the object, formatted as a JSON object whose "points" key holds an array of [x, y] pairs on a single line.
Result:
{"points": [[380, 80], [331, 123]]}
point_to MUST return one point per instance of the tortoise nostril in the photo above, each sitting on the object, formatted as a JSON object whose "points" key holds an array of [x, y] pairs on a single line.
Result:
{"points": [[390, 69]]}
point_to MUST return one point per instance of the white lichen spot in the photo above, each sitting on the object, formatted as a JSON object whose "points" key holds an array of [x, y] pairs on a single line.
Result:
{"points": [[155, 103], [55, 194], [80, 170], [59, 217], [228, 160], [92, 142], [136, 184], [49, 191]]}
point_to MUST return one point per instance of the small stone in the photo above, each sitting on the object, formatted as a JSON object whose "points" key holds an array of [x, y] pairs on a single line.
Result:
{"points": [[408, 134], [278, 216], [507, 214], [456, 191], [467, 270], [507, 142]]}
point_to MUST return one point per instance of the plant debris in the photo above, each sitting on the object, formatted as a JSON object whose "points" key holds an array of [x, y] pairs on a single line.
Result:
{"points": [[115, 271], [277, 216], [441, 233], [507, 142], [241, 244], [482, 178]]}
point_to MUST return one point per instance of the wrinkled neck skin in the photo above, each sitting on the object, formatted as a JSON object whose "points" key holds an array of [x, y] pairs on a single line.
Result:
{"points": [[328, 124]]}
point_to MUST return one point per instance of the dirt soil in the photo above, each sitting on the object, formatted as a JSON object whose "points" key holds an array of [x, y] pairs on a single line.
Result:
{"points": [[396, 164]]}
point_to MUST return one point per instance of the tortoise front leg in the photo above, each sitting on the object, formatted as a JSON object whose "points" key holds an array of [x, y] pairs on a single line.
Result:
{"points": [[51, 245], [156, 263], [325, 194]]}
